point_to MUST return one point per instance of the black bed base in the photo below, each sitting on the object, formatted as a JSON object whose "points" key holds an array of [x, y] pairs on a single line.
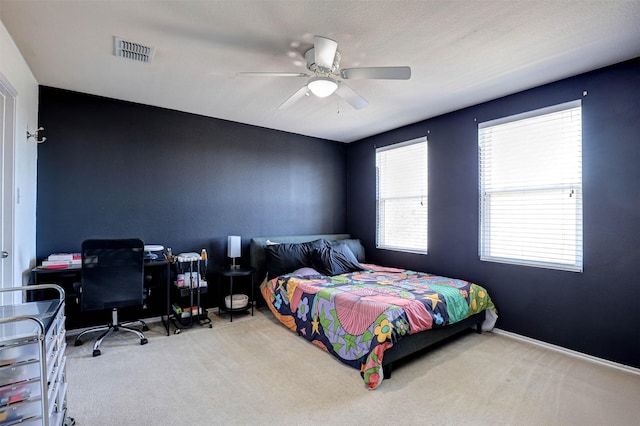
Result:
{"points": [[414, 343]]}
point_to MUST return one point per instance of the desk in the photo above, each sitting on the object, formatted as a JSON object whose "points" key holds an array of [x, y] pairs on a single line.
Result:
{"points": [[157, 274]]}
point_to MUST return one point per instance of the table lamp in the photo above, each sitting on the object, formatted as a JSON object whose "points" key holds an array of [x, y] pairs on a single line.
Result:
{"points": [[234, 244]]}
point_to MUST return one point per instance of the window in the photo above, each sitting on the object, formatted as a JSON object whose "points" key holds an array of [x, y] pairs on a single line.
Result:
{"points": [[531, 188], [401, 196]]}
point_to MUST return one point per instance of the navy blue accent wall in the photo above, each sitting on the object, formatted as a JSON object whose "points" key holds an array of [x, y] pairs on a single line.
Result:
{"points": [[111, 168], [594, 312]]}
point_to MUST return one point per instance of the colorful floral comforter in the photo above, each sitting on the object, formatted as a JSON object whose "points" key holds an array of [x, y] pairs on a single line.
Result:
{"points": [[357, 316]]}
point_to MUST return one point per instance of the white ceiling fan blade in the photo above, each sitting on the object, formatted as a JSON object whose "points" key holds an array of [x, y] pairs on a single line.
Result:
{"points": [[324, 51], [295, 97], [349, 95], [271, 74], [377, 73]]}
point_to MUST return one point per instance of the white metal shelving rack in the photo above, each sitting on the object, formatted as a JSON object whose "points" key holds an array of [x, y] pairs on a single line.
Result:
{"points": [[33, 383]]}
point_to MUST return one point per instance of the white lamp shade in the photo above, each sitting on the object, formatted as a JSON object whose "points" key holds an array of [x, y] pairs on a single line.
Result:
{"points": [[234, 244], [322, 86]]}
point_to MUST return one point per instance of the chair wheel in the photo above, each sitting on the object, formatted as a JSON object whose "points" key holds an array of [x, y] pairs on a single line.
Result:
{"points": [[96, 352], [177, 331], [77, 342], [144, 341]]}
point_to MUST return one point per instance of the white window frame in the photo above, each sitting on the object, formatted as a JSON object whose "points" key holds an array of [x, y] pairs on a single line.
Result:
{"points": [[536, 223], [407, 232]]}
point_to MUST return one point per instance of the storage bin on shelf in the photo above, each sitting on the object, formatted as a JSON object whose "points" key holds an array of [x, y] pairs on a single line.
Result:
{"points": [[236, 301]]}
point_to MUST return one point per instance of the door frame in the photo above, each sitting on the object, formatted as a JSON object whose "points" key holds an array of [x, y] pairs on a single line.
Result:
{"points": [[8, 97]]}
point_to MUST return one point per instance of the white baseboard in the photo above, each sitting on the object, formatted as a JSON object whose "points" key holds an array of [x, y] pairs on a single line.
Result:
{"points": [[576, 354]]}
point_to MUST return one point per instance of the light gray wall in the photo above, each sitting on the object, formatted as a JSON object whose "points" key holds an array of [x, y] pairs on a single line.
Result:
{"points": [[16, 71]]}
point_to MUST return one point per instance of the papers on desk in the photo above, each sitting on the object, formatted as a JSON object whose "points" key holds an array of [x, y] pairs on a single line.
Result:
{"points": [[58, 266], [62, 260]]}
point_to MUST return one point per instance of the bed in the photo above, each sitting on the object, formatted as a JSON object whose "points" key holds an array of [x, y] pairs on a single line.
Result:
{"points": [[367, 316]]}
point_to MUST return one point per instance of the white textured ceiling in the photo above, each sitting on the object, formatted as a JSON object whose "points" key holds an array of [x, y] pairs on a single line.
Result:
{"points": [[461, 53]]}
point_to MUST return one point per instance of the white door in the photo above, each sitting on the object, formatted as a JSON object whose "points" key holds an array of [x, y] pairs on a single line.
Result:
{"points": [[7, 138]]}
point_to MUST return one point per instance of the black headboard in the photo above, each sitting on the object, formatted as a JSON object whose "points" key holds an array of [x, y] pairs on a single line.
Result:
{"points": [[256, 248]]}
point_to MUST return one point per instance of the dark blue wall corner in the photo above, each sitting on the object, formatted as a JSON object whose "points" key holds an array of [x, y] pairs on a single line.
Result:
{"points": [[594, 312]]}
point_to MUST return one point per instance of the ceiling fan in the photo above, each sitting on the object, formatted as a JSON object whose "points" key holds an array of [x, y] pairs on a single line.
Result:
{"points": [[324, 79]]}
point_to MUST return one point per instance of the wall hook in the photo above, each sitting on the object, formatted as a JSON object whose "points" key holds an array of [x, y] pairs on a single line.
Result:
{"points": [[35, 135]]}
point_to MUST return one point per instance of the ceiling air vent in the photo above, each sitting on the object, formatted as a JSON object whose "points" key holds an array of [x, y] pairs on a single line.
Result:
{"points": [[130, 50]]}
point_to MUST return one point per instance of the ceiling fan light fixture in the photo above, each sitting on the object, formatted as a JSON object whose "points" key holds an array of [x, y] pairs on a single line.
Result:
{"points": [[322, 86]]}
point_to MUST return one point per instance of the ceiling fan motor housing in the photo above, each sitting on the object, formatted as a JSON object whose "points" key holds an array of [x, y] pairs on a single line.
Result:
{"points": [[309, 56]]}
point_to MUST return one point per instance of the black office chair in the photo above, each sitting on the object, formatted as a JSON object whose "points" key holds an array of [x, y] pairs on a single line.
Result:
{"points": [[112, 278]]}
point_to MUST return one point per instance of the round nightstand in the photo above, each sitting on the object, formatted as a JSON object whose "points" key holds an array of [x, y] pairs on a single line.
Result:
{"points": [[232, 273]]}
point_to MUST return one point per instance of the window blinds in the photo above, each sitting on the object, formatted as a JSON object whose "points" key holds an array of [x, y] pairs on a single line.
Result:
{"points": [[531, 188], [402, 196]]}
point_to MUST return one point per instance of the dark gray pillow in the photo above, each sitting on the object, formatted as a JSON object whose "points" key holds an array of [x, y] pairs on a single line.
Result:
{"points": [[287, 257], [355, 246], [334, 259]]}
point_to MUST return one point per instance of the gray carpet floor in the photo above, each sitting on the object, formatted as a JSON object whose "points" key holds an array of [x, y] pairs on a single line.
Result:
{"points": [[254, 371]]}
